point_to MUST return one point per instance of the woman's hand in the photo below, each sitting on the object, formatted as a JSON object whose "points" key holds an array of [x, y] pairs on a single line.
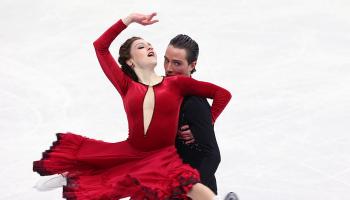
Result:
{"points": [[140, 19], [185, 134]]}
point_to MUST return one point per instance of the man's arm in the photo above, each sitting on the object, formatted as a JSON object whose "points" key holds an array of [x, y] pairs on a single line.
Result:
{"points": [[204, 154], [198, 126]]}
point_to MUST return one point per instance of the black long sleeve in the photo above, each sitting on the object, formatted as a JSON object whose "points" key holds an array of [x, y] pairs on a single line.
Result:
{"points": [[204, 154]]}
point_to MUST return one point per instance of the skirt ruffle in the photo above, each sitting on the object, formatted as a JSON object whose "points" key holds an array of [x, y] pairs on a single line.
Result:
{"points": [[98, 170], [61, 157]]}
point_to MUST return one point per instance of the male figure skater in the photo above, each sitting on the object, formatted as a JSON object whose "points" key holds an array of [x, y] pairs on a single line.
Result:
{"points": [[196, 141]]}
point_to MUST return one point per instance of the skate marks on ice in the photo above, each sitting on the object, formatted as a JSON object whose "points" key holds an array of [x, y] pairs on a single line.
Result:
{"points": [[29, 98], [30, 101], [293, 141], [292, 124]]}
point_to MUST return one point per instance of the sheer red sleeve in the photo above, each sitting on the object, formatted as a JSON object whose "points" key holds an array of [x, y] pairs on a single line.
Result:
{"points": [[109, 66], [221, 97]]}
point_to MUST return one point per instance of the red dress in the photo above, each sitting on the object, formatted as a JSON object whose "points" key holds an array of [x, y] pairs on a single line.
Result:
{"points": [[145, 166]]}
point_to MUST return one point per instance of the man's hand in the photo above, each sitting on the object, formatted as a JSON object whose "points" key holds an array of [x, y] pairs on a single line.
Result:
{"points": [[140, 19], [185, 134]]}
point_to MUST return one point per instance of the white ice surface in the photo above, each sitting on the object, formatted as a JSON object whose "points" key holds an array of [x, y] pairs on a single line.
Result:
{"points": [[284, 136]]}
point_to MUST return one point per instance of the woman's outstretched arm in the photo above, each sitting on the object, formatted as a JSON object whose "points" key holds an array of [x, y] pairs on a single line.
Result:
{"points": [[110, 67], [191, 87]]}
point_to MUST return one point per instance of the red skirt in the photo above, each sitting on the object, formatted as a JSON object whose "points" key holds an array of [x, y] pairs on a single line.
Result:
{"points": [[99, 170]]}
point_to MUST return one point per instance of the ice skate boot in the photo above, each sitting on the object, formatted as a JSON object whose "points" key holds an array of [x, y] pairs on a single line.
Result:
{"points": [[50, 182], [231, 196]]}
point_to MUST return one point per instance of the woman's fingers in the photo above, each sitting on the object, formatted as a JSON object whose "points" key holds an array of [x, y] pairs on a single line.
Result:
{"points": [[184, 127], [190, 141], [142, 18], [150, 16], [183, 133], [187, 134], [146, 22], [154, 21], [149, 19]]}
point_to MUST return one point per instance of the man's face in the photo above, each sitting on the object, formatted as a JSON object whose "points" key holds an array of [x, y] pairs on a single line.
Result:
{"points": [[175, 62]]}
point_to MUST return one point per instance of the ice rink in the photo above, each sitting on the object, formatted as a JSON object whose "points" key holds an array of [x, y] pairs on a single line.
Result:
{"points": [[284, 135]]}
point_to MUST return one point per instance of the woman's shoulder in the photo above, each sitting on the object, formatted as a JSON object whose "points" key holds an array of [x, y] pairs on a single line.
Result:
{"points": [[176, 78], [177, 82]]}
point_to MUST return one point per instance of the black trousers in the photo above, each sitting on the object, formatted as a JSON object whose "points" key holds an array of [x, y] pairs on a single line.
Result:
{"points": [[203, 155]]}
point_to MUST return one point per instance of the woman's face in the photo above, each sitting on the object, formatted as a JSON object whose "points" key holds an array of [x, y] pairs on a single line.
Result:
{"points": [[142, 54]]}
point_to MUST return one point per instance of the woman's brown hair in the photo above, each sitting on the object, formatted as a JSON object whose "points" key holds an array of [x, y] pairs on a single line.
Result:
{"points": [[124, 55]]}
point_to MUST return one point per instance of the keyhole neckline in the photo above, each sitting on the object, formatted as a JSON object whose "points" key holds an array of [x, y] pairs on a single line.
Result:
{"points": [[163, 77]]}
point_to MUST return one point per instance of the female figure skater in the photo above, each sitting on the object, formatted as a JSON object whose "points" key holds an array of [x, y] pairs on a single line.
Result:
{"points": [[146, 165]]}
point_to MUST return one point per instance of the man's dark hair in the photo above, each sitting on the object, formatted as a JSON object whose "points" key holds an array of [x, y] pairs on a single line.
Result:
{"points": [[182, 41]]}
